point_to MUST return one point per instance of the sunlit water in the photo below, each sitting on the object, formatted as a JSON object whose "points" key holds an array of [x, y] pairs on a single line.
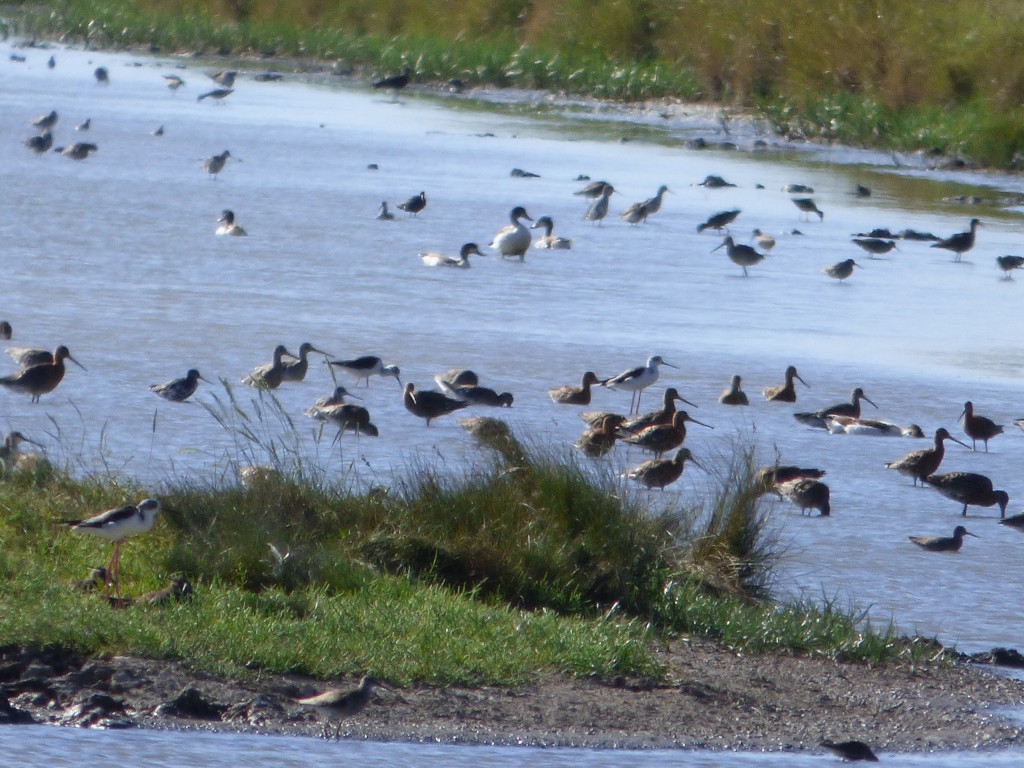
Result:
{"points": [[116, 258]]}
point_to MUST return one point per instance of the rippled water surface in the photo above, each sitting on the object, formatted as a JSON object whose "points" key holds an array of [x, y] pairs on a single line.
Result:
{"points": [[116, 258]]}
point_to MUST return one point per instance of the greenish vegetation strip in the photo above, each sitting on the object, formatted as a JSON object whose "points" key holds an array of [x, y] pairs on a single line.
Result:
{"points": [[525, 564], [898, 75]]}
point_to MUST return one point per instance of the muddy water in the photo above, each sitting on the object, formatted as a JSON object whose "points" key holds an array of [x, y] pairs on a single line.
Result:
{"points": [[116, 257]]}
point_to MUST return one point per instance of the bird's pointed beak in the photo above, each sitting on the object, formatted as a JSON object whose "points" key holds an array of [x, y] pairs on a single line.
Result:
{"points": [[694, 421], [77, 363], [870, 400]]}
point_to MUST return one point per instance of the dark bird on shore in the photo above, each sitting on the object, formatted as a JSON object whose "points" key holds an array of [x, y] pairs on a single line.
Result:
{"points": [[850, 750], [6, 331], [178, 390], [1006, 263], [734, 395], [715, 182], [429, 404], [102, 76], [40, 144], [807, 493], [798, 189], [918, 465], [970, 489], [661, 472], [807, 207], [85, 125], [395, 82], [51, 63], [173, 82], [767, 479], [225, 78], [961, 242], [340, 703], [979, 427], [40, 379], [819, 419], [876, 246], [215, 163], [218, 94], [593, 190], [79, 150], [599, 438], [719, 221], [784, 393], [943, 543], [519, 173], [913, 234], [599, 208], [861, 191], [740, 254], [45, 123], [841, 270], [414, 204]]}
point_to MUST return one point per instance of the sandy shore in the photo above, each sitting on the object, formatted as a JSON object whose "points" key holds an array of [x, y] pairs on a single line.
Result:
{"points": [[711, 698]]}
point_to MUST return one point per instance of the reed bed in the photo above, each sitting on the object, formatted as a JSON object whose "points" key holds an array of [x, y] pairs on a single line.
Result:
{"points": [[895, 74]]}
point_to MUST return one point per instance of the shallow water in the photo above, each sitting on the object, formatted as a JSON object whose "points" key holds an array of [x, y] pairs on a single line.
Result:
{"points": [[115, 257]]}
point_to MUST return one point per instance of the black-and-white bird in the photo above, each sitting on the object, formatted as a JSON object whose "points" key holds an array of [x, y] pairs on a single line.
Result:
{"points": [[178, 390]]}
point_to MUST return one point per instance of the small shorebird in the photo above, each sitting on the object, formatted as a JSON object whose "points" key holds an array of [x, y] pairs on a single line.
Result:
{"points": [[653, 204], [661, 437], [383, 214], [807, 493], [918, 465], [979, 427], [101, 75], [455, 378], [768, 479], [478, 395], [764, 241], [841, 270], [226, 77], [178, 390], [598, 439], [366, 366], [959, 243], [6, 331], [79, 150], [599, 208], [514, 240], [270, 375], [345, 416], [636, 380], [714, 182], [969, 489], [395, 82], [548, 240], [871, 427], [337, 397], [215, 163], [875, 246], [342, 702], [45, 123], [570, 395], [1008, 264], [228, 225], [11, 450], [798, 189], [734, 395], [593, 190], [807, 207], [851, 750], [173, 82], [661, 415], [40, 144], [741, 255], [414, 204], [38, 380], [660, 472], [178, 589], [97, 578], [116, 525], [719, 221], [819, 419], [429, 404], [435, 259], [785, 393], [218, 94], [639, 212], [942, 543], [296, 371], [84, 126]]}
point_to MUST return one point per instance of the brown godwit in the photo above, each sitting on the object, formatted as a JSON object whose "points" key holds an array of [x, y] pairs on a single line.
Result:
{"points": [[599, 208], [661, 437], [435, 259], [943, 543], [719, 221], [807, 493], [395, 82], [339, 703], [596, 441], [225, 77], [174, 82], [634, 214], [741, 255], [1008, 264], [819, 419], [593, 190], [653, 204], [842, 270], [116, 525], [270, 375], [969, 489], [40, 379], [429, 404], [455, 378], [961, 242], [483, 396], [764, 241], [851, 750], [714, 182], [215, 163], [548, 240], [383, 214], [366, 366], [514, 240], [594, 418], [807, 207], [45, 123], [768, 479], [217, 94], [660, 472], [11, 450], [345, 416], [979, 427], [178, 390], [919, 464], [875, 246], [662, 415], [785, 393], [296, 370], [871, 427], [734, 395], [40, 144], [636, 380], [79, 150], [570, 395]]}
